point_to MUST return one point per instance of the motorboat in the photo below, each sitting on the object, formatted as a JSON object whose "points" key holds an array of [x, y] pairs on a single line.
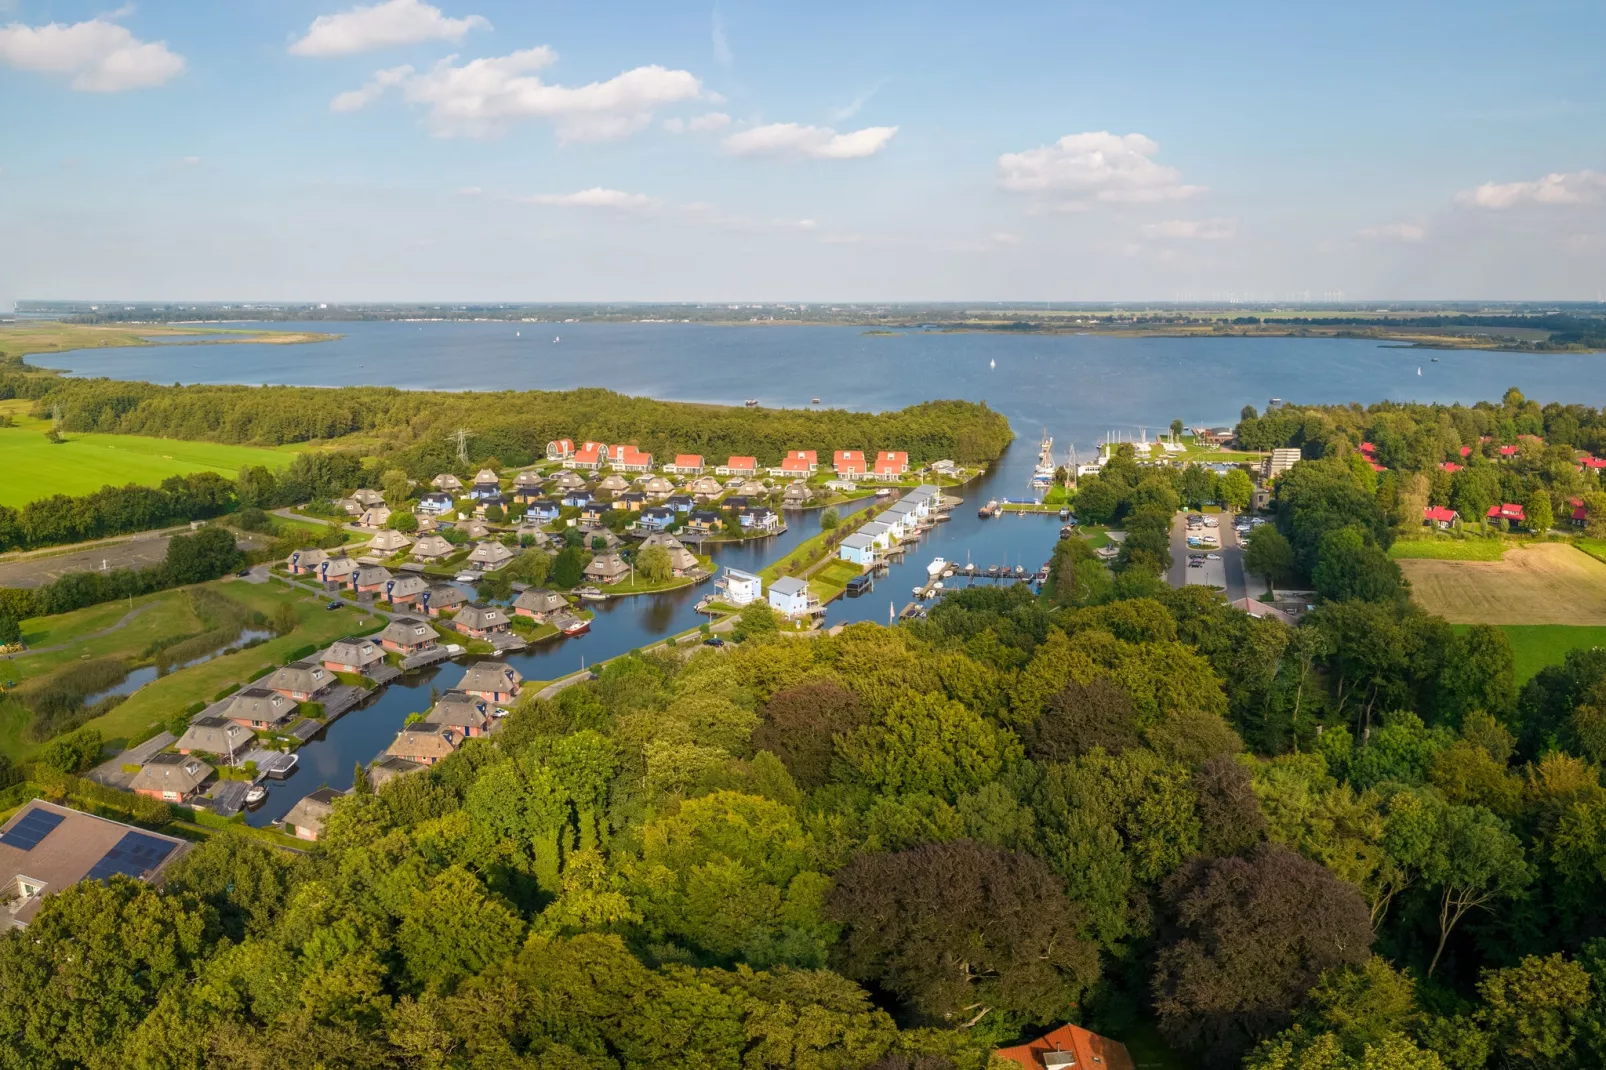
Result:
{"points": [[1065, 513], [283, 766], [935, 568], [992, 572], [884, 492], [590, 594], [814, 401], [1020, 570], [467, 577], [255, 794], [576, 626], [988, 510]]}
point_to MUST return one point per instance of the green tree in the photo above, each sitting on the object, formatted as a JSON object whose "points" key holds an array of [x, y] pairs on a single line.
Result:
{"points": [[495, 513], [495, 586], [396, 488], [453, 928], [1474, 861], [1536, 1010], [530, 567], [285, 619], [1540, 517], [653, 564], [1237, 490], [829, 518], [10, 630], [568, 568], [932, 745], [402, 520], [1176, 429], [1269, 555]]}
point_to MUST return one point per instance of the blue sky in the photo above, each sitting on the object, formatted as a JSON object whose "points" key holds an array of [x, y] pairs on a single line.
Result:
{"points": [[408, 150]]}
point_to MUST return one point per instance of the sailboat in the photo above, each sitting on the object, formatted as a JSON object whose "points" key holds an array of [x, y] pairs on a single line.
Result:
{"points": [[1419, 371], [992, 364], [556, 339], [516, 334]]}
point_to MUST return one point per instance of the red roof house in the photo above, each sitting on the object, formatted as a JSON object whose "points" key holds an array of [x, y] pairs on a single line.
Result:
{"points": [[686, 464], [1580, 511], [1368, 448], [1596, 463], [1507, 512], [738, 466], [629, 459], [800, 463], [1508, 451], [1440, 515], [560, 449], [589, 456], [1451, 466], [1070, 1047], [1466, 451], [890, 464], [849, 464]]}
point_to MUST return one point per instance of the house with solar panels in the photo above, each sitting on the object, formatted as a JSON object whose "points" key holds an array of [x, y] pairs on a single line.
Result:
{"points": [[46, 848]]}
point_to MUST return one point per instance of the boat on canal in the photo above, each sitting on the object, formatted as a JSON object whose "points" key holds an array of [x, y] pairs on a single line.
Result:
{"points": [[936, 567], [590, 594]]}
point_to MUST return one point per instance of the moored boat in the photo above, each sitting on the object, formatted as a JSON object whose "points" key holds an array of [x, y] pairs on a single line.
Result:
{"points": [[255, 794], [577, 626], [937, 565], [590, 594]]}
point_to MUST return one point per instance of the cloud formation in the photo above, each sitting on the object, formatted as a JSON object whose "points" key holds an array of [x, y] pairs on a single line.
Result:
{"points": [[1080, 169], [595, 197], [815, 142], [1204, 229], [99, 55], [484, 97], [383, 25], [698, 124], [1405, 232], [1561, 187]]}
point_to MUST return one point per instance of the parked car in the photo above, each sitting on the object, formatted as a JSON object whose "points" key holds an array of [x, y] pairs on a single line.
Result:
{"points": [[1196, 564], [336, 604], [713, 640], [1212, 557]]}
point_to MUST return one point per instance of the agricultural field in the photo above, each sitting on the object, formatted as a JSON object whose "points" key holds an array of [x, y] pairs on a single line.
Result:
{"points": [[1535, 646], [1449, 549], [1541, 583], [36, 468]]}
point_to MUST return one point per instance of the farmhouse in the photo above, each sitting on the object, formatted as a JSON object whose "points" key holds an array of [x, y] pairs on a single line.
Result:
{"points": [[1440, 516], [1508, 512]]}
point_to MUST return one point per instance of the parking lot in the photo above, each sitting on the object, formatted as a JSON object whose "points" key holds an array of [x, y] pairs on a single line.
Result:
{"points": [[1207, 550]]}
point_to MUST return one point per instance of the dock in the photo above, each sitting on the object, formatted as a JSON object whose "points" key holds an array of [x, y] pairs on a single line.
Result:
{"points": [[428, 657]]}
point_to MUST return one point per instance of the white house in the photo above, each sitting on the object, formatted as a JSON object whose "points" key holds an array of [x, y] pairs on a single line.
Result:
{"points": [[789, 596], [897, 524], [741, 588], [858, 548], [880, 535]]}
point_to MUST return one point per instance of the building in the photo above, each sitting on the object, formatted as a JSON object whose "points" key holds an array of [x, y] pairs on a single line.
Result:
{"points": [[589, 457], [408, 636], [577, 499], [435, 503], [305, 819], [882, 535], [543, 510], [796, 495], [631, 501], [560, 449], [612, 483], [45, 848], [680, 503], [686, 464], [593, 515], [1259, 610], [447, 482], [390, 542], [493, 681], [432, 547], [405, 590], [681, 560], [441, 598], [367, 498], [481, 621], [375, 516], [760, 518], [300, 681], [790, 597], [489, 556], [705, 487], [385, 770], [798, 463], [656, 487], [1440, 516], [538, 604], [1451, 467], [174, 778], [607, 568], [566, 480], [858, 548], [738, 466], [259, 709], [623, 458], [370, 579], [475, 529], [336, 571], [1280, 461], [215, 735], [890, 465], [1580, 512], [849, 464], [702, 522], [1070, 1047], [1508, 512], [304, 561], [658, 518], [528, 480], [467, 715], [424, 744], [352, 655], [740, 588]]}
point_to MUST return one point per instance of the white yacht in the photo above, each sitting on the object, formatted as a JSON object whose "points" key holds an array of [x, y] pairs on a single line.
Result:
{"points": [[935, 568]]}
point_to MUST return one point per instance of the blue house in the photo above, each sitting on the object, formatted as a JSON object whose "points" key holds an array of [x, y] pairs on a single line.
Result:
{"points": [[860, 549], [435, 503], [545, 510], [790, 597], [680, 503], [482, 492], [656, 519], [577, 499]]}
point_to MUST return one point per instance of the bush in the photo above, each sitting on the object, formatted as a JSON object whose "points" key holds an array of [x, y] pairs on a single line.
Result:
{"points": [[313, 710], [71, 753], [225, 693], [252, 518], [300, 652]]}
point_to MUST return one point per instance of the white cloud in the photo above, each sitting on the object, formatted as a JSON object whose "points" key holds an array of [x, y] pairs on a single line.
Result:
{"points": [[722, 47], [595, 197], [856, 105], [698, 124], [470, 191], [383, 25], [101, 56], [484, 97], [190, 160], [1082, 168], [818, 142], [1207, 229], [1569, 187], [1405, 232], [372, 90]]}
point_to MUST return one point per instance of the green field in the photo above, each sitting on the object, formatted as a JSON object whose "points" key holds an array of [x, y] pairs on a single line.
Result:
{"points": [[1535, 646], [1595, 548], [1450, 549], [36, 468]]}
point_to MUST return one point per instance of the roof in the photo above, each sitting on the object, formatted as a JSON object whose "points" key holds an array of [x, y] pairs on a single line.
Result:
{"points": [[215, 735], [627, 454], [444, 594], [405, 631], [259, 704], [742, 462], [789, 585], [432, 545], [171, 772], [406, 585], [307, 676], [605, 566], [371, 574], [424, 740], [310, 812], [688, 460], [566, 445], [539, 600], [459, 710], [311, 558], [390, 540], [1507, 511], [480, 615], [355, 651], [892, 459], [1451, 466], [528, 479], [738, 574], [857, 541], [489, 676], [491, 553], [1071, 1047], [1439, 512]]}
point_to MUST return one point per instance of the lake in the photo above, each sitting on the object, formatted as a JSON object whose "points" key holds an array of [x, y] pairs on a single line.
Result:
{"points": [[1075, 387]]}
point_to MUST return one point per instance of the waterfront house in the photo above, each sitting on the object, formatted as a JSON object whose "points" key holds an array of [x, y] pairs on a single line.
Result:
{"points": [[1508, 512], [385, 770], [408, 636], [751, 488], [589, 457], [680, 503], [631, 501], [857, 548], [735, 503], [352, 655], [305, 819], [565, 480], [370, 579], [447, 482], [656, 487], [891, 464], [907, 512], [790, 597], [681, 560], [1440, 516], [390, 542], [798, 463], [560, 449], [881, 535], [796, 495], [481, 621], [375, 516], [216, 735], [259, 709], [543, 510], [577, 499], [174, 778], [625, 458], [607, 568], [739, 588], [702, 522], [592, 514], [738, 466], [895, 523], [686, 464], [612, 483], [493, 681], [46, 848], [304, 561], [467, 715], [490, 556], [849, 464], [300, 681], [442, 598], [435, 503], [526, 495], [432, 548], [658, 518], [405, 589], [538, 604], [705, 487], [1070, 1047], [424, 743], [760, 518], [475, 529]]}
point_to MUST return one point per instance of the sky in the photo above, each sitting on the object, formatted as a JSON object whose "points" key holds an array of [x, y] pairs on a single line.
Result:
{"points": [[597, 150]]}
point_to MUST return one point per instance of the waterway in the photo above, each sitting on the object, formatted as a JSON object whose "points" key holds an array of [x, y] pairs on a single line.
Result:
{"points": [[1075, 387]]}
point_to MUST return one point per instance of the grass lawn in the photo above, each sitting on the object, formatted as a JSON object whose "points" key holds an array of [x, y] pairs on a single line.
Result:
{"points": [[37, 468], [1595, 548], [1537, 646], [1449, 549], [832, 579]]}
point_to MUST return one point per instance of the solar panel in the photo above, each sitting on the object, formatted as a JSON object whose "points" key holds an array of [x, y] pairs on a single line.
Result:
{"points": [[134, 854], [34, 826]]}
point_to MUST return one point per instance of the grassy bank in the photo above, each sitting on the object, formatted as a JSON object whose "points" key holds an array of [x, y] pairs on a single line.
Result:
{"points": [[1450, 549], [23, 339]]}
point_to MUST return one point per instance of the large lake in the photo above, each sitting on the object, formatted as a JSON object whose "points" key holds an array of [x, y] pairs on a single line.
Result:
{"points": [[1077, 388]]}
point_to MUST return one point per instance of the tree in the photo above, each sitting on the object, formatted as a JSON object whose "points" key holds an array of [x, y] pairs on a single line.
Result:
{"points": [[1474, 861], [10, 630], [396, 487], [929, 744], [495, 586], [653, 564], [1595, 522], [1176, 429], [495, 513], [1237, 490], [1269, 555], [1536, 1010], [530, 567], [285, 619], [1243, 940], [1230, 821], [359, 781], [829, 518], [1348, 566], [1540, 517], [960, 930], [568, 568], [1081, 717], [401, 520], [454, 927], [205, 555], [801, 726], [1479, 673]]}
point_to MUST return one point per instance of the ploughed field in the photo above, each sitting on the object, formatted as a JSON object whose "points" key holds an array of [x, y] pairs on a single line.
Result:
{"points": [[1541, 583]]}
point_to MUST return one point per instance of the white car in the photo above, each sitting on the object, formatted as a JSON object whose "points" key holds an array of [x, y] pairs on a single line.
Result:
{"points": [[1212, 557]]}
